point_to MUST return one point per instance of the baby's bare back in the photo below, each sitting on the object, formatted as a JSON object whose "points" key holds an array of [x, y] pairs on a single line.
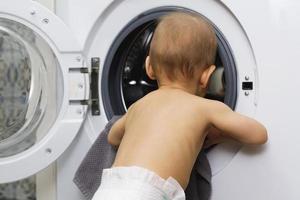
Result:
{"points": [[164, 132]]}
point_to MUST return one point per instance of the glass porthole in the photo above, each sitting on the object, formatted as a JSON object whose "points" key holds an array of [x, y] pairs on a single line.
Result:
{"points": [[29, 100]]}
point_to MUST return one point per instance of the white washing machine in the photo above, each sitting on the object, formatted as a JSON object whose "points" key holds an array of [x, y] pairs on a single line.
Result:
{"points": [[72, 89]]}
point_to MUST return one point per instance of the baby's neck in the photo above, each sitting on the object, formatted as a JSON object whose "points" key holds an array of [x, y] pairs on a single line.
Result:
{"points": [[188, 89]]}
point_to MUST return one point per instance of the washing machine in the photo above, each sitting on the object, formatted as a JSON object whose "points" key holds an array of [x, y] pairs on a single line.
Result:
{"points": [[62, 79]]}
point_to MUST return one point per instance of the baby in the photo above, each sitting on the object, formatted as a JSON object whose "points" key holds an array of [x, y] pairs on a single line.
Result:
{"points": [[162, 134]]}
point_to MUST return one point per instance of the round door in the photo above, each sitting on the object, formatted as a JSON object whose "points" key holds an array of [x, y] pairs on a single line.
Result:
{"points": [[41, 88]]}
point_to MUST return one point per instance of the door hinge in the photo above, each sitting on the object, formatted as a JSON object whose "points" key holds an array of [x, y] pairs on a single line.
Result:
{"points": [[94, 86], [78, 96]]}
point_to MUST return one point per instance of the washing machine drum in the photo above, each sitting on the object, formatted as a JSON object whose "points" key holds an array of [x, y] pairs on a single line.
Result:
{"points": [[125, 79]]}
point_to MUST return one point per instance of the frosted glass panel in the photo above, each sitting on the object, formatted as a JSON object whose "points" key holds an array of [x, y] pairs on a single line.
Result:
{"points": [[21, 190], [30, 79]]}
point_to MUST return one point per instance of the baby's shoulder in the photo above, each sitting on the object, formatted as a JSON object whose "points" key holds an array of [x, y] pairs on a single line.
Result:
{"points": [[204, 105], [202, 102]]}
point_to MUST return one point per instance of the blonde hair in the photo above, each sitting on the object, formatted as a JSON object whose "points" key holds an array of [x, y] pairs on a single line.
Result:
{"points": [[181, 43]]}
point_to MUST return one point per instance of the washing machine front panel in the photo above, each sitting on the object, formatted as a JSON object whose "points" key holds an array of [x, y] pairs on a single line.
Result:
{"points": [[270, 171], [267, 29], [116, 18], [40, 89]]}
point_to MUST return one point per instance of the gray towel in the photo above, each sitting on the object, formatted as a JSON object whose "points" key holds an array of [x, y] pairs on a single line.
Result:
{"points": [[101, 155]]}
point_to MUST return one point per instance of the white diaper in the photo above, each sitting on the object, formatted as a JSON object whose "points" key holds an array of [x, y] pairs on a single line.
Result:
{"points": [[136, 183]]}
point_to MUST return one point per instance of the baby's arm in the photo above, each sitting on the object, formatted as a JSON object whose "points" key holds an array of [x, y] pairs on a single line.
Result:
{"points": [[213, 137], [116, 133], [237, 126]]}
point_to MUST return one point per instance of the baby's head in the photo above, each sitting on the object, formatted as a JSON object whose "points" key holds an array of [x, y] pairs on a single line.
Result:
{"points": [[182, 50]]}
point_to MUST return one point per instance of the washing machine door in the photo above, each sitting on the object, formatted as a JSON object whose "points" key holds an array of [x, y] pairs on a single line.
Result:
{"points": [[42, 88]]}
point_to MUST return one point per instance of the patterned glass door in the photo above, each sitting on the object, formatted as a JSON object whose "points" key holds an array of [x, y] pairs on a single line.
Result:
{"points": [[24, 98]]}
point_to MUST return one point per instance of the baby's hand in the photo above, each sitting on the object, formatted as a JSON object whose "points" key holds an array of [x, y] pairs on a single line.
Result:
{"points": [[213, 137]]}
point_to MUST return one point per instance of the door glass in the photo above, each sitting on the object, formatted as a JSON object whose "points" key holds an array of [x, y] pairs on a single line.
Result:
{"points": [[30, 97], [29, 88]]}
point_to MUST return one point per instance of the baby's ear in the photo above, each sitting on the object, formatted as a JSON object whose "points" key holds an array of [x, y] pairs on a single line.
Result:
{"points": [[149, 69], [206, 74]]}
